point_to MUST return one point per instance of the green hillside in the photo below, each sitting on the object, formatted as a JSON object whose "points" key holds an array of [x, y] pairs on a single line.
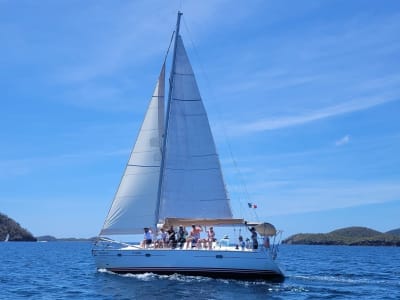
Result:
{"points": [[394, 232], [50, 238], [16, 232], [346, 236], [355, 232]]}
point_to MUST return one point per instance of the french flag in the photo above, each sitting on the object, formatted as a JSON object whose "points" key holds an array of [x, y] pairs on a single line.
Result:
{"points": [[252, 205]]}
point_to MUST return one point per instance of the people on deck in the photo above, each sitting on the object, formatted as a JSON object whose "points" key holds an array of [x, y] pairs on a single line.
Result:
{"points": [[210, 238], [162, 239], [254, 238], [181, 237], [172, 242], [171, 238], [266, 242], [194, 237], [247, 243], [242, 243], [147, 238]]}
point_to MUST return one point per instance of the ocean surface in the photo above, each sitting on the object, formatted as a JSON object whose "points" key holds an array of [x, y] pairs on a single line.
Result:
{"points": [[66, 270]]}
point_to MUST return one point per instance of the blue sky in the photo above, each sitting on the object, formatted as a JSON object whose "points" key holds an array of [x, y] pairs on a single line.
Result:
{"points": [[303, 98]]}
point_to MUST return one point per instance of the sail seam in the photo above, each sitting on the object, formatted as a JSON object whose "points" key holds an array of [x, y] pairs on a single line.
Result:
{"points": [[213, 199], [189, 169], [136, 196], [150, 151], [143, 166], [204, 155], [177, 99], [193, 115], [184, 74]]}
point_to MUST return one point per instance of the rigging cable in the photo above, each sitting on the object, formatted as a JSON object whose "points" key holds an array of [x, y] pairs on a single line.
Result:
{"points": [[170, 43]]}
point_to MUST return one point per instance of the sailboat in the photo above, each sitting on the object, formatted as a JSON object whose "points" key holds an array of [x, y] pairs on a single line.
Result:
{"points": [[7, 237], [173, 178]]}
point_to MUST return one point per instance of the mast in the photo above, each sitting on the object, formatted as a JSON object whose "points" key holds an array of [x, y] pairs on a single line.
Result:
{"points": [[171, 80]]}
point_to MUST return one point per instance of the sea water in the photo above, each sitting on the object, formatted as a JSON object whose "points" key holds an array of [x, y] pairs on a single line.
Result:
{"points": [[66, 270]]}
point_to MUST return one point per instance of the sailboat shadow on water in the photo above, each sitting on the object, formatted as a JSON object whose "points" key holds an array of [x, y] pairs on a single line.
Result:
{"points": [[173, 177]]}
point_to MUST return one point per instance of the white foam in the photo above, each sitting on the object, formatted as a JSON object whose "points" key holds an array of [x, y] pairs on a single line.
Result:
{"points": [[338, 279]]}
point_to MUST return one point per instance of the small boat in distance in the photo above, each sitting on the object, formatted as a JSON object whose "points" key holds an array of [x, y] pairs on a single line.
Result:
{"points": [[7, 237], [174, 179]]}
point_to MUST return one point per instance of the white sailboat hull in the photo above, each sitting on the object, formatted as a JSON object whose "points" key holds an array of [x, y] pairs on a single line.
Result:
{"points": [[212, 263]]}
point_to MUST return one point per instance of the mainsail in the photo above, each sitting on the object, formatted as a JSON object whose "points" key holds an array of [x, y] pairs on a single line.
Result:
{"points": [[192, 183], [136, 199]]}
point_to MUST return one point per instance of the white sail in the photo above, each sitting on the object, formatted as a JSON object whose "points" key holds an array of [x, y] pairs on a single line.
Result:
{"points": [[192, 183], [136, 200]]}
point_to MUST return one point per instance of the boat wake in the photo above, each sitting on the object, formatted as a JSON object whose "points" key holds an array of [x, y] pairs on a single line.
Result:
{"points": [[152, 276], [179, 280], [194, 279], [338, 279]]}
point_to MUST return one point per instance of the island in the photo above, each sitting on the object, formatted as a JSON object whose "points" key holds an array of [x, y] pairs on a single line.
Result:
{"points": [[351, 236], [10, 230], [50, 238]]}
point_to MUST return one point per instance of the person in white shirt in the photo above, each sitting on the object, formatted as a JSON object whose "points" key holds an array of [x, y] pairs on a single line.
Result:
{"points": [[147, 238]]}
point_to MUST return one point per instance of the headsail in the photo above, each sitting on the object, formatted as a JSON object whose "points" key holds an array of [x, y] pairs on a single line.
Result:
{"points": [[192, 183], [136, 200]]}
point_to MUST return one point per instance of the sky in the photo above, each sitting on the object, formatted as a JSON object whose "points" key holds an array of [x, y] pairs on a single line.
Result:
{"points": [[303, 98]]}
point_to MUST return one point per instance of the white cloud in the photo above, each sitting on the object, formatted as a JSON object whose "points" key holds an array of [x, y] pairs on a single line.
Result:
{"points": [[344, 140], [282, 122], [323, 196]]}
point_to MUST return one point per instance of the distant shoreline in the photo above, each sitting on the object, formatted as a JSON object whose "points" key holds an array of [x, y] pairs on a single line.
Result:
{"points": [[349, 236], [49, 238]]}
